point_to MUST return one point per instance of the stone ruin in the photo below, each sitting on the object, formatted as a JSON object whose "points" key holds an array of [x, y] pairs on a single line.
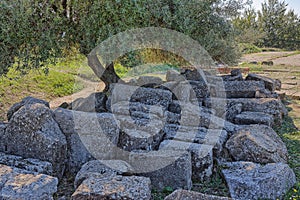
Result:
{"points": [[149, 134]]}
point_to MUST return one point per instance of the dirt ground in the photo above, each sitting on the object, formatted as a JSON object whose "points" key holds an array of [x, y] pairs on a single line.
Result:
{"points": [[89, 88], [286, 68]]}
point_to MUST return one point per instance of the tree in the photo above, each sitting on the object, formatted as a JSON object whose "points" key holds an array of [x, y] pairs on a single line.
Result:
{"points": [[247, 27], [281, 26], [36, 31]]}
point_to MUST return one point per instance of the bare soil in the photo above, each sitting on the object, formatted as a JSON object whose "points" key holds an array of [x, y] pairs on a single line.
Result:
{"points": [[286, 68], [89, 88]]}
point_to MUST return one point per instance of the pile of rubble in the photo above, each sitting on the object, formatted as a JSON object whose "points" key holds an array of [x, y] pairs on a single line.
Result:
{"points": [[150, 134]]}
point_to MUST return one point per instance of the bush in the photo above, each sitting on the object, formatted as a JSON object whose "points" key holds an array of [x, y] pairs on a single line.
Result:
{"points": [[247, 48]]}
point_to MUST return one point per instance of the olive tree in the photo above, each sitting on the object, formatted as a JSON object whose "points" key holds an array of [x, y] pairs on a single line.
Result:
{"points": [[33, 32]]}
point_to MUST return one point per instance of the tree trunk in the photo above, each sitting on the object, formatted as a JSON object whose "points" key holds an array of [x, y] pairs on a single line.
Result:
{"points": [[107, 75]]}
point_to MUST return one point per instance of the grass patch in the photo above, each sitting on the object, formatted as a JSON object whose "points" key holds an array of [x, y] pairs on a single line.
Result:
{"points": [[150, 68], [253, 67], [247, 48], [60, 80], [291, 137]]}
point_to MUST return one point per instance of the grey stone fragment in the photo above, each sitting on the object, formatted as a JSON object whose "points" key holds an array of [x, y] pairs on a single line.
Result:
{"points": [[118, 187], [270, 84], [130, 108], [236, 75], [164, 168], [20, 184], [175, 107], [181, 90], [248, 180], [193, 74], [200, 90], [232, 111], [147, 80], [29, 164], [95, 102], [193, 115], [134, 139], [213, 137], [173, 75], [33, 133], [254, 118], [257, 143], [26, 100], [270, 106], [192, 195], [102, 168], [2, 128], [89, 136], [202, 157], [153, 126], [150, 96], [240, 89]]}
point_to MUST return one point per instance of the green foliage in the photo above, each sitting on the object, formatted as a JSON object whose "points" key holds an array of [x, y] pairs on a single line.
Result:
{"points": [[30, 34], [247, 48], [273, 26], [121, 70], [291, 136], [35, 32], [281, 28], [150, 68]]}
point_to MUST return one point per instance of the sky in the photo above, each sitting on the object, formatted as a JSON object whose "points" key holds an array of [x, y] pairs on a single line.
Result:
{"points": [[293, 4]]}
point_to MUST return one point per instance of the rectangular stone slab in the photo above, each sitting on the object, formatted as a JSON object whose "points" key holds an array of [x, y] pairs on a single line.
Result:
{"points": [[202, 157], [239, 89], [164, 167]]}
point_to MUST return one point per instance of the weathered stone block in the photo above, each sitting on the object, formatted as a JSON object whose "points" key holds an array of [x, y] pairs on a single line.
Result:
{"points": [[173, 75], [89, 136], [20, 184], [33, 133], [26, 100], [95, 102], [215, 138], [248, 180], [164, 168], [191, 195], [118, 187], [28, 164], [241, 89], [257, 143], [149, 80], [266, 105], [133, 139], [148, 96], [270, 84], [248, 118], [202, 157], [102, 168]]}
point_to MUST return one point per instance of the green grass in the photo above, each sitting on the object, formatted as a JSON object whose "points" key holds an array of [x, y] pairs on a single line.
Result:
{"points": [[253, 68], [59, 81], [291, 137], [150, 68]]}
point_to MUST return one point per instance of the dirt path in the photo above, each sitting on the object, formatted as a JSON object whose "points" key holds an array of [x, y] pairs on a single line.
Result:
{"points": [[287, 69], [89, 87], [264, 56]]}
